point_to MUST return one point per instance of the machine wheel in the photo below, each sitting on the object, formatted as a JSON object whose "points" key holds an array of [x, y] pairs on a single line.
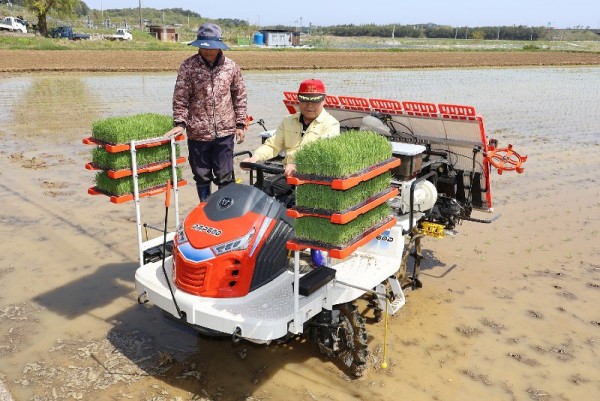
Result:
{"points": [[373, 303], [351, 340]]}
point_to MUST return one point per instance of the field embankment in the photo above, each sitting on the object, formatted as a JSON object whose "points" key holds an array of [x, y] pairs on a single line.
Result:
{"points": [[18, 61]]}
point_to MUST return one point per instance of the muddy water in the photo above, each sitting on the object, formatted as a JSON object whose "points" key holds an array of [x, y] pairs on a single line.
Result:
{"points": [[508, 310]]}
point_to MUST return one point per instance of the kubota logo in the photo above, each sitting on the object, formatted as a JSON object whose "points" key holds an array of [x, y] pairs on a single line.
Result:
{"points": [[225, 203]]}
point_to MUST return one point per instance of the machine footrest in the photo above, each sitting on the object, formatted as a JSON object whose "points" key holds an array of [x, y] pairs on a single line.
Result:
{"points": [[396, 291], [155, 253], [396, 304], [315, 279]]}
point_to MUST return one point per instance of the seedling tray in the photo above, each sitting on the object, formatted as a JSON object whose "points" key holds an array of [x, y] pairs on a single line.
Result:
{"points": [[143, 169], [346, 182], [128, 197], [347, 215], [121, 147], [341, 252]]}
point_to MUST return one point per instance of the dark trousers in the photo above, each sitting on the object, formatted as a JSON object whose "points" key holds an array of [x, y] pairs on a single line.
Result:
{"points": [[211, 161]]}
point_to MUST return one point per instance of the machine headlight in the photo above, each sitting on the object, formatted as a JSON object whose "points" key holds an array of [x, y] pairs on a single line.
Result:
{"points": [[238, 244]]}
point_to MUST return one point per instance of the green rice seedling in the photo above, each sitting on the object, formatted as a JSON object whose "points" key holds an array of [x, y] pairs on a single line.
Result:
{"points": [[343, 155], [116, 130], [322, 231], [124, 186], [323, 197], [122, 160]]}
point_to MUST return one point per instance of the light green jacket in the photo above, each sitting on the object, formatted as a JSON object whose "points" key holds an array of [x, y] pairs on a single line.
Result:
{"points": [[288, 136]]}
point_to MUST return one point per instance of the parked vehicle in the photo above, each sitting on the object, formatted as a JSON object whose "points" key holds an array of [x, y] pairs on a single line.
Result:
{"points": [[122, 34], [67, 32], [13, 24]]}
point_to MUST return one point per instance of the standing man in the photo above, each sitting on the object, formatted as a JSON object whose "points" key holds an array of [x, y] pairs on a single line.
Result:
{"points": [[209, 103], [310, 123]]}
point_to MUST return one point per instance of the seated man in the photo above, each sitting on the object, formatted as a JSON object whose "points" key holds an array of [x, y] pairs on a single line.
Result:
{"points": [[310, 123]]}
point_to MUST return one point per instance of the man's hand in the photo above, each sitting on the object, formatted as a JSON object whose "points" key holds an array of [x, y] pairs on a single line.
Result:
{"points": [[175, 131], [240, 134], [249, 160], [290, 169]]}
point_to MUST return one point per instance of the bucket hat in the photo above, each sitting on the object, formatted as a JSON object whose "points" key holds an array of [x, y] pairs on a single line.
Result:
{"points": [[312, 91], [209, 37]]}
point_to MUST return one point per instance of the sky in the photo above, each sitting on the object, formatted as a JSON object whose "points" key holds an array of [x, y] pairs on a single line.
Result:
{"points": [[458, 13]]}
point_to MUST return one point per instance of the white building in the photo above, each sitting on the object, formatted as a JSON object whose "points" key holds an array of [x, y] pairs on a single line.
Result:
{"points": [[277, 38]]}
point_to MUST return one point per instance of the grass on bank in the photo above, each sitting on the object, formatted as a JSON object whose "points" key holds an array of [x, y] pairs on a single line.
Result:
{"points": [[143, 41]]}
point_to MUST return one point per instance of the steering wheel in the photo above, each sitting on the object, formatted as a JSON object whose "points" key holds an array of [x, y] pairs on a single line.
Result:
{"points": [[266, 168], [260, 170], [505, 159]]}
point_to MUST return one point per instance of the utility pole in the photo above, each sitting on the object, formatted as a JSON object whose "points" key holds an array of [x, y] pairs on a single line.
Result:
{"points": [[140, 8]]}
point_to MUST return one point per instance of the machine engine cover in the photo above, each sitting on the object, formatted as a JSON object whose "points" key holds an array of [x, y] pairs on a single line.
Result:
{"points": [[221, 248]]}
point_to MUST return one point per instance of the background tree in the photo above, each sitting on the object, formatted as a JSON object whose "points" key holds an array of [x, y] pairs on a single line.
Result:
{"points": [[478, 34], [42, 8]]}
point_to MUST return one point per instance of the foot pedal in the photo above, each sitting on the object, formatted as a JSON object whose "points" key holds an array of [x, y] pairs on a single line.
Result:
{"points": [[315, 279], [396, 291]]}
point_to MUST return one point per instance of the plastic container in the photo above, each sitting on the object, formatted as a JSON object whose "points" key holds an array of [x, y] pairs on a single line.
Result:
{"points": [[410, 159], [259, 39]]}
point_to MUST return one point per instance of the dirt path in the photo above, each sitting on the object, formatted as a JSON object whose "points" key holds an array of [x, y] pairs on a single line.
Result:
{"points": [[93, 60]]}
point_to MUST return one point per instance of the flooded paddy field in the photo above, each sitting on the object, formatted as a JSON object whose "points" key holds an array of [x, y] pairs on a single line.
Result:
{"points": [[508, 311]]}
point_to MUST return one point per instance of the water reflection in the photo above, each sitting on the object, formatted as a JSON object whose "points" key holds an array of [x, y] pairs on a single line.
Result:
{"points": [[65, 105], [48, 104], [79, 267]]}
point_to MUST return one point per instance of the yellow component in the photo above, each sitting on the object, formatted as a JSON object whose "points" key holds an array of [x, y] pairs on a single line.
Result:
{"points": [[384, 364], [433, 229]]}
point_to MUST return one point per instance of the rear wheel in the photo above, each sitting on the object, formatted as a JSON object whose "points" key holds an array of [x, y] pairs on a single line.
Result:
{"points": [[351, 340]]}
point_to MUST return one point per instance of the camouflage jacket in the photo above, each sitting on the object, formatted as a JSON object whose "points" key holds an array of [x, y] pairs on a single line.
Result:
{"points": [[210, 102]]}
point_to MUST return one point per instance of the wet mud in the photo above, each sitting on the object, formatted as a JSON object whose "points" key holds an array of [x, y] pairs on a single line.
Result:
{"points": [[508, 310]]}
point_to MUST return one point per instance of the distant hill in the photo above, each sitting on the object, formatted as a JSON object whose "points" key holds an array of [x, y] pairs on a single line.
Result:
{"points": [[188, 21], [152, 16]]}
